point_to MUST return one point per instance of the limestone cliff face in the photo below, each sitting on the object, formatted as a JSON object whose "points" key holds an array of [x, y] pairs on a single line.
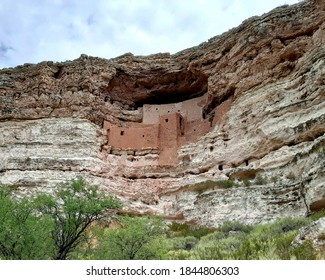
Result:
{"points": [[162, 131]]}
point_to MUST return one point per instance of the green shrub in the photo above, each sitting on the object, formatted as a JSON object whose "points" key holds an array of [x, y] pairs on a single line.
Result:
{"points": [[317, 215], [179, 255], [222, 249], [209, 253], [184, 229], [229, 226], [260, 180], [279, 227], [179, 228], [246, 182], [283, 243], [287, 224], [237, 241], [304, 251], [184, 243], [134, 238], [226, 184], [24, 234], [73, 207], [247, 250], [234, 240], [199, 231], [214, 236]]}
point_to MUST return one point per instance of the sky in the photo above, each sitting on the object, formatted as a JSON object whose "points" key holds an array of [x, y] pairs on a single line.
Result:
{"points": [[32, 31]]}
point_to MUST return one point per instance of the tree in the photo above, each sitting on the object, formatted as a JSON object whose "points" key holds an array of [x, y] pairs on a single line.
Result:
{"points": [[23, 233], [74, 206], [133, 238]]}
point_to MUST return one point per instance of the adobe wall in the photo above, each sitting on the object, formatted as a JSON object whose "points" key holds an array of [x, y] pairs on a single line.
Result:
{"points": [[193, 108], [169, 132], [195, 129], [134, 137], [190, 110]]}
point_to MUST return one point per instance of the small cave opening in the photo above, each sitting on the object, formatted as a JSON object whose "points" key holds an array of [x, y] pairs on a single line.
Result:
{"points": [[220, 167], [246, 162], [58, 73]]}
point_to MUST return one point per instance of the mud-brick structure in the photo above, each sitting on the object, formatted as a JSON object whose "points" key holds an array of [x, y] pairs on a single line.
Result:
{"points": [[164, 128]]}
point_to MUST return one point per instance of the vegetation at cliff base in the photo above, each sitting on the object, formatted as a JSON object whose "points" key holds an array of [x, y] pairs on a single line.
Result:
{"points": [[147, 238], [23, 233], [131, 238], [50, 226], [76, 222]]}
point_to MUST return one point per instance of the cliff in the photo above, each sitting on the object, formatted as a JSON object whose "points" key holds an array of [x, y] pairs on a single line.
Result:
{"points": [[232, 129]]}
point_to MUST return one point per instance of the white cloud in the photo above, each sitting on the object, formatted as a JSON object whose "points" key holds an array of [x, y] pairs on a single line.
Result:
{"points": [[32, 30]]}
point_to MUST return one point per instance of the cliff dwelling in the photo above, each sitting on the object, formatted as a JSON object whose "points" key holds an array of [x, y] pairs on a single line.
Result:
{"points": [[164, 128]]}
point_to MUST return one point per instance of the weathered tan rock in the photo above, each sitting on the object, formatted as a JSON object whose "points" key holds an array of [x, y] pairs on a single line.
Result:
{"points": [[314, 233], [261, 111]]}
